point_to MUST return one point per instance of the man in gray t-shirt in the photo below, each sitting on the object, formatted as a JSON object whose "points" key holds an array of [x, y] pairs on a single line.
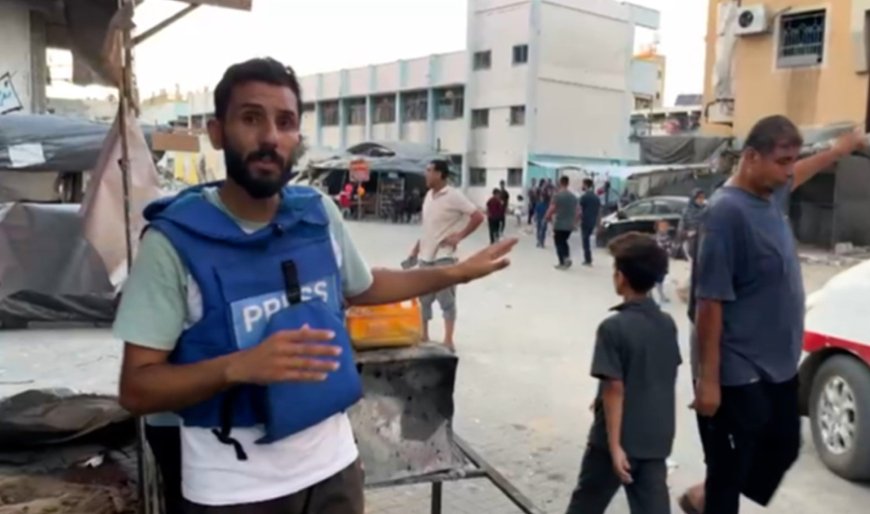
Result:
{"points": [[564, 213]]}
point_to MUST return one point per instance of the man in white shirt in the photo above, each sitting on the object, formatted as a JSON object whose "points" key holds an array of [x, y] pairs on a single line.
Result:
{"points": [[448, 218], [173, 291]]}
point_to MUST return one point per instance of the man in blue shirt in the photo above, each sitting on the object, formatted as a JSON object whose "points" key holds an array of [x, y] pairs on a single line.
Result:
{"points": [[749, 318]]}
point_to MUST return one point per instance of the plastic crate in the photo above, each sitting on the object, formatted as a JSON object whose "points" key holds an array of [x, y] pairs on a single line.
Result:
{"points": [[392, 325]]}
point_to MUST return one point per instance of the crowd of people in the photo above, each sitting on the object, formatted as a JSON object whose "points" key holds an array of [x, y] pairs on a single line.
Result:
{"points": [[746, 309], [233, 310]]}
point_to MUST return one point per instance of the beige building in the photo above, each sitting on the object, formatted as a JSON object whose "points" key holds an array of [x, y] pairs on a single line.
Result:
{"points": [[806, 59], [653, 99]]}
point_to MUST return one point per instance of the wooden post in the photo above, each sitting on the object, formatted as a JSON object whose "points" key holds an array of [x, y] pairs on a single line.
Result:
{"points": [[125, 106]]}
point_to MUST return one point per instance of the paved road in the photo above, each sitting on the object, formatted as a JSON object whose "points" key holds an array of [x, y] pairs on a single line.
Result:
{"points": [[523, 389]]}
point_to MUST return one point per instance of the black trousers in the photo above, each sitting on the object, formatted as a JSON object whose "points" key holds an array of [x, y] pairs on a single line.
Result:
{"points": [[598, 484], [165, 443], [586, 234], [495, 229], [750, 444], [339, 494], [563, 251]]}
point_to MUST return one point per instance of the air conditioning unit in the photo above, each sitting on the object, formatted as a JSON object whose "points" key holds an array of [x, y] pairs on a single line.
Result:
{"points": [[752, 20]]}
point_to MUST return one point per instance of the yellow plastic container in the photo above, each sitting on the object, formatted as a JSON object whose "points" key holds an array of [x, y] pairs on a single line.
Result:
{"points": [[380, 326]]}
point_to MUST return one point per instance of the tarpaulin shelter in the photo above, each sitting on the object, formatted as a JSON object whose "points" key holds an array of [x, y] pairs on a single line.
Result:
{"points": [[100, 35], [45, 142], [48, 270], [382, 157], [686, 149], [395, 169]]}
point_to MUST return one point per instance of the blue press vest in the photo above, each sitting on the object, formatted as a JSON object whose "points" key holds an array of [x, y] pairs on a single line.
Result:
{"points": [[278, 278]]}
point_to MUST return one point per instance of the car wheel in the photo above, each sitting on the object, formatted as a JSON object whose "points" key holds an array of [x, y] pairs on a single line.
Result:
{"points": [[840, 416]]}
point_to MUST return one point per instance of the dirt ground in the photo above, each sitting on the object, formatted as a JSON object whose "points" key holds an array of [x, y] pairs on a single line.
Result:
{"points": [[50, 495]]}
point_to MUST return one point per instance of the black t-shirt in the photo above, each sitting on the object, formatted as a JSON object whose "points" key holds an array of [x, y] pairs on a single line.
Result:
{"points": [[638, 346]]}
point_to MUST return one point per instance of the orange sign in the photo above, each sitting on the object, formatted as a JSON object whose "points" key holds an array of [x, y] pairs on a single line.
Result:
{"points": [[359, 170]]}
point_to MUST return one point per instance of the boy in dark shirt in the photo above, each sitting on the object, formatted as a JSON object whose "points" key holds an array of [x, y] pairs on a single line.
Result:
{"points": [[495, 213], [636, 359]]}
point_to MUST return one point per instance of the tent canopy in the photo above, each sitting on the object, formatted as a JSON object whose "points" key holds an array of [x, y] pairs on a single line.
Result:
{"points": [[384, 156], [45, 142]]}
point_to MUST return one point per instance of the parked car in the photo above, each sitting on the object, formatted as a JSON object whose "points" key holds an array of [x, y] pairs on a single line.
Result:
{"points": [[835, 372], [641, 216]]}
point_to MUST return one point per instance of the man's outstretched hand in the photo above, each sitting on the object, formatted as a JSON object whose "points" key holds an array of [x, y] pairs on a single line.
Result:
{"points": [[849, 142], [489, 260]]}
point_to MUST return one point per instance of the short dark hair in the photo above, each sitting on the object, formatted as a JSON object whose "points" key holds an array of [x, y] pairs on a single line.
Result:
{"points": [[588, 182], [496, 191], [563, 180], [640, 259], [260, 69], [772, 132], [442, 167]]}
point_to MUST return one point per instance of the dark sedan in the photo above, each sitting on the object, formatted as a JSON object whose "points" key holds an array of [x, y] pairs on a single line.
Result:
{"points": [[641, 216]]}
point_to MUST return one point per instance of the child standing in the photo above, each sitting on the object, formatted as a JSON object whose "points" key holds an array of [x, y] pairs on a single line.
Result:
{"points": [[665, 242], [541, 207], [495, 213], [635, 360]]}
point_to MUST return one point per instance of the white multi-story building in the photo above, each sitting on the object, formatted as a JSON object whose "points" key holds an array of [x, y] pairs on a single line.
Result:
{"points": [[543, 84]]}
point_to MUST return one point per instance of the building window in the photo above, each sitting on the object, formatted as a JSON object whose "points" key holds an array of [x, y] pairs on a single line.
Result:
{"points": [[355, 111], [414, 106], [456, 167], [521, 54], [482, 60], [385, 109], [450, 103], [641, 102], [801, 39], [518, 115], [479, 118], [477, 176], [309, 107], [329, 114], [515, 177]]}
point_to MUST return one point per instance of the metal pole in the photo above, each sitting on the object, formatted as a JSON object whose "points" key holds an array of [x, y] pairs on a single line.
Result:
{"points": [[436, 498]]}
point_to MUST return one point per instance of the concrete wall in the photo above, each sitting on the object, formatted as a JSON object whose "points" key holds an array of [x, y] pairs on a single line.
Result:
{"points": [[834, 91], [163, 112], [331, 137], [496, 26], [644, 78], [451, 134], [583, 94], [450, 69], [15, 50]]}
